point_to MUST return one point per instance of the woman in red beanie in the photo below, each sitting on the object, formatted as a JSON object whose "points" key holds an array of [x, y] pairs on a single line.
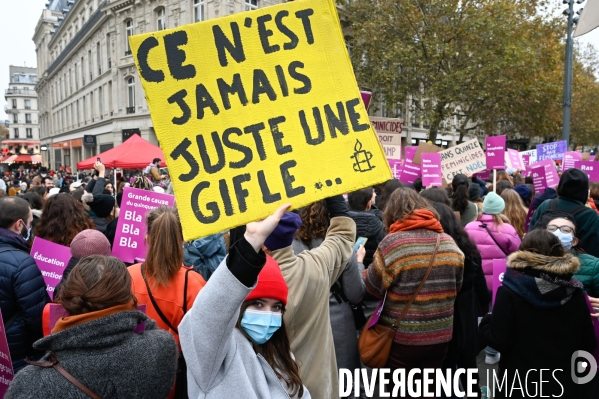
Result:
{"points": [[234, 338]]}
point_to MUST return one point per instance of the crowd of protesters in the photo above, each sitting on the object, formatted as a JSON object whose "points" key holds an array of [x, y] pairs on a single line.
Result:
{"points": [[275, 308]]}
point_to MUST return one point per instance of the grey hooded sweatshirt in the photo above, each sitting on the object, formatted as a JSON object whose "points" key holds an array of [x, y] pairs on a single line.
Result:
{"points": [[221, 361]]}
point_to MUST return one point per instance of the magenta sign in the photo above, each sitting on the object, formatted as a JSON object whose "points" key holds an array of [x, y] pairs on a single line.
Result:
{"points": [[515, 159], [591, 168], [51, 259], [366, 96], [570, 158], [6, 370], [495, 152], [544, 175], [410, 171], [499, 268], [431, 169], [129, 240]]}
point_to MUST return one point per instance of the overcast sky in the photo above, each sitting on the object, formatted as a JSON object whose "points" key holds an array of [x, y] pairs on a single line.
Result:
{"points": [[18, 26]]}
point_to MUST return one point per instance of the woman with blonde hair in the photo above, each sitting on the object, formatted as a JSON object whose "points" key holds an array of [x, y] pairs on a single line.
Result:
{"points": [[162, 282], [515, 210]]}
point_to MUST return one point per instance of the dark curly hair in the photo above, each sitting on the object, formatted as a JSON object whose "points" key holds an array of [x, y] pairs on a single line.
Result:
{"points": [[316, 221], [97, 282], [62, 219]]}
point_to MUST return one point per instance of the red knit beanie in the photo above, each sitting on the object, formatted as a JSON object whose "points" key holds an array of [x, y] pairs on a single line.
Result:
{"points": [[271, 283]]}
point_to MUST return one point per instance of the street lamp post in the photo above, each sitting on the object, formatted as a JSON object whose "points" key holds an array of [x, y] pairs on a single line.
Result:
{"points": [[568, 68]]}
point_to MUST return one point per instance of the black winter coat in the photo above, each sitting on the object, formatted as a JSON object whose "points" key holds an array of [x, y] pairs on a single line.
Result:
{"points": [[370, 226], [22, 296]]}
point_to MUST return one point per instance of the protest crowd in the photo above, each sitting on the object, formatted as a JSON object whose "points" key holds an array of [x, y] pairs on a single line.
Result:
{"points": [[275, 308]]}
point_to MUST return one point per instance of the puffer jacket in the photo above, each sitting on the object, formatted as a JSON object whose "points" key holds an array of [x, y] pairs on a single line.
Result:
{"points": [[22, 297], [370, 226], [506, 236], [588, 274]]}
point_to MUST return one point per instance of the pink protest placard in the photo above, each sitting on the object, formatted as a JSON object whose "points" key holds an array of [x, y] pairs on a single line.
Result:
{"points": [[396, 167], [6, 370], [544, 175], [591, 168], [499, 268], [516, 161], [431, 169], [495, 152], [129, 240], [595, 325], [410, 171], [570, 158], [51, 259], [484, 175]]}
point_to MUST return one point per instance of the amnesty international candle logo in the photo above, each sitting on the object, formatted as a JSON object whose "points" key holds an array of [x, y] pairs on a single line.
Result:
{"points": [[257, 109]]}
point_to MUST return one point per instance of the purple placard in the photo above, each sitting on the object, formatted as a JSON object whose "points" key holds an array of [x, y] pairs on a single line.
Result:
{"points": [[377, 312], [553, 151], [366, 96], [595, 326], [544, 175], [591, 168], [51, 259], [484, 175], [499, 268], [570, 157], [409, 173], [396, 167], [129, 241], [6, 370], [515, 159], [495, 152], [430, 163]]}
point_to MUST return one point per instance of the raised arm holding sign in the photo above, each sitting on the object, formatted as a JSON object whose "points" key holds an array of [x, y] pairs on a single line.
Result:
{"points": [[257, 109]]}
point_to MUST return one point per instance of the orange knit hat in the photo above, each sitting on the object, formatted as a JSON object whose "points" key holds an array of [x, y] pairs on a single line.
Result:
{"points": [[271, 283]]}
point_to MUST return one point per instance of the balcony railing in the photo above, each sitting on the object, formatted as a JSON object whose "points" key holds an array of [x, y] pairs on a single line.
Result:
{"points": [[128, 52], [130, 110], [19, 91]]}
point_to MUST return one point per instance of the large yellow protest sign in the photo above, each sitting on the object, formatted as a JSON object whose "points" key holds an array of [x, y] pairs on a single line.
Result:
{"points": [[257, 109]]}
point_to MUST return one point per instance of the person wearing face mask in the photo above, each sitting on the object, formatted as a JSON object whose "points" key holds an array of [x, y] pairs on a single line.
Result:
{"points": [[22, 288], [234, 338], [563, 226]]}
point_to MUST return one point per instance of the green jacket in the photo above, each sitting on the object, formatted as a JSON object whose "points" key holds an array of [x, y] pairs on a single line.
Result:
{"points": [[587, 223], [588, 274]]}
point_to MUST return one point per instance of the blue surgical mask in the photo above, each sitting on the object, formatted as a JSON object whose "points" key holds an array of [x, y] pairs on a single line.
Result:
{"points": [[260, 325], [565, 238]]}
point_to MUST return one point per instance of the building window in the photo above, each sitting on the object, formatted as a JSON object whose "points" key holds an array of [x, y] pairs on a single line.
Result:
{"points": [[129, 31], [98, 58], [14, 103], [90, 67], [16, 129], [161, 19], [29, 133], [26, 90], [251, 5], [27, 118], [131, 95], [15, 118], [27, 104], [198, 10]]}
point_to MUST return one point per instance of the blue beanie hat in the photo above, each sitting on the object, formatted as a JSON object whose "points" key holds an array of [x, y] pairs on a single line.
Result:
{"points": [[493, 204], [523, 191], [282, 235]]}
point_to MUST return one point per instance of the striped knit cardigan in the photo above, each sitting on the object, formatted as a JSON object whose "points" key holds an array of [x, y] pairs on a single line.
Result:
{"points": [[399, 266]]}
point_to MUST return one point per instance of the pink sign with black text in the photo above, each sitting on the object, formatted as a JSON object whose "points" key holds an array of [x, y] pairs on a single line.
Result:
{"points": [[129, 241]]}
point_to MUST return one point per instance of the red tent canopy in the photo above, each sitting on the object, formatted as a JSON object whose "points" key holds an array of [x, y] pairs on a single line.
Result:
{"points": [[134, 153]]}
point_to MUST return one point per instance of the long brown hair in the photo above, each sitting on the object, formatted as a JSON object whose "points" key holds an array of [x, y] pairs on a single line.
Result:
{"points": [[514, 210], [97, 282], [165, 245], [403, 202], [277, 352], [62, 219], [315, 222]]}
